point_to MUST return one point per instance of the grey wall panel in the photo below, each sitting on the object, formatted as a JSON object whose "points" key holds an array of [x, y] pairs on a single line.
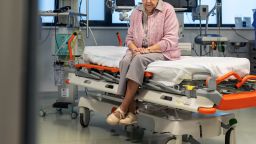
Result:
{"points": [[11, 73]]}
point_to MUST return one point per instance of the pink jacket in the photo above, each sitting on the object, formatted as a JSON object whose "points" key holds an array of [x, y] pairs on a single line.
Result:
{"points": [[163, 28]]}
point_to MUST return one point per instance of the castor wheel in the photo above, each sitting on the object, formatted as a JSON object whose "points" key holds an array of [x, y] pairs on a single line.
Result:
{"points": [[84, 116], [59, 110], [169, 140], [74, 115], [42, 113]]}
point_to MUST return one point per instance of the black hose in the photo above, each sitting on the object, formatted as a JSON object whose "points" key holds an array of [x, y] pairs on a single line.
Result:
{"points": [[228, 136]]}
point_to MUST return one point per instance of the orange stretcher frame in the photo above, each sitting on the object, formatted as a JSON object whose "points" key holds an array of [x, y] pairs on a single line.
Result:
{"points": [[228, 102], [237, 100], [105, 68]]}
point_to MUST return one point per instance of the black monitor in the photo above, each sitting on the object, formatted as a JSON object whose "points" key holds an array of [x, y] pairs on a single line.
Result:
{"points": [[188, 4], [125, 4]]}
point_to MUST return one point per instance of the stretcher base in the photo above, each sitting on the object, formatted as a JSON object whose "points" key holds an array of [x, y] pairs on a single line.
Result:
{"points": [[172, 121]]}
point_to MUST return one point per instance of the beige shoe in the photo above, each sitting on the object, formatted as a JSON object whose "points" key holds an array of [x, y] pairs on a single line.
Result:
{"points": [[112, 119], [129, 119]]}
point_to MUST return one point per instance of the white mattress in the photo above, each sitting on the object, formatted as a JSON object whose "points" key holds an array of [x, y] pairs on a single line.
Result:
{"points": [[171, 72]]}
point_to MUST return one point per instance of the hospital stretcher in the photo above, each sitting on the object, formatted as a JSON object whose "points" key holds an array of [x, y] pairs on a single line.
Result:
{"points": [[192, 106]]}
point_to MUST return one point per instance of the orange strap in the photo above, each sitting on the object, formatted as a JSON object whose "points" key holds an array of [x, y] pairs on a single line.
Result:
{"points": [[232, 73], [98, 67], [69, 46], [148, 74], [245, 79], [104, 68], [119, 39]]}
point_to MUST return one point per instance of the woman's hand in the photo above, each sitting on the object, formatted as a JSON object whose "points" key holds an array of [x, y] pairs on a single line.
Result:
{"points": [[143, 50], [135, 52]]}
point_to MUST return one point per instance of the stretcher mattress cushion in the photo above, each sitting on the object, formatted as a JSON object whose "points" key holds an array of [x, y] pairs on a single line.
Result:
{"points": [[171, 72]]}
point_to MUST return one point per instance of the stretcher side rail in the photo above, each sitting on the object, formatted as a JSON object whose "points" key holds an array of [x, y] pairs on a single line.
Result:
{"points": [[86, 74], [91, 73], [222, 102], [237, 100], [151, 96], [105, 68], [227, 75], [113, 78], [167, 89], [245, 79], [155, 86]]}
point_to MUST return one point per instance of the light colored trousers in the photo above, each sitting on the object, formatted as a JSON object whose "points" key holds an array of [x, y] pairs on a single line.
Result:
{"points": [[133, 68]]}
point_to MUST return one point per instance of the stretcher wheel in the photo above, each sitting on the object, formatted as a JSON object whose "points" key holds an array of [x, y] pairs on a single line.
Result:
{"points": [[229, 137], [134, 133], [42, 113], [59, 110], [169, 140], [84, 117], [74, 115]]}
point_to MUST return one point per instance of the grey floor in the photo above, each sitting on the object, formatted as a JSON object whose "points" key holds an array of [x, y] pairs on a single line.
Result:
{"points": [[58, 128]]}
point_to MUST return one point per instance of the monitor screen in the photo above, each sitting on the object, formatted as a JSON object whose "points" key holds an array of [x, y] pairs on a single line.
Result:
{"points": [[189, 4], [125, 2], [124, 5]]}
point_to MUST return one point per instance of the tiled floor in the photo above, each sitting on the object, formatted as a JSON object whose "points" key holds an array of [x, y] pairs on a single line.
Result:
{"points": [[61, 129]]}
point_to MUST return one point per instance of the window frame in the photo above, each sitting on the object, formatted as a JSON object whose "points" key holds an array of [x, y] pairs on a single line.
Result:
{"points": [[56, 5], [185, 25], [107, 22]]}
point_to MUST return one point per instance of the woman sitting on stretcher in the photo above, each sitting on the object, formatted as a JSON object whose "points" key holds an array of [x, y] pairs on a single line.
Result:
{"points": [[153, 35]]}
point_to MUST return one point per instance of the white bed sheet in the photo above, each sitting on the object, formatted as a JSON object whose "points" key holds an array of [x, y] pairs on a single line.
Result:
{"points": [[104, 55], [171, 72]]}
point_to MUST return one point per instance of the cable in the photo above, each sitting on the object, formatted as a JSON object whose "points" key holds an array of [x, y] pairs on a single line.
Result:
{"points": [[82, 35], [188, 18], [80, 9], [239, 34], [224, 55], [47, 36], [109, 4], [206, 53], [55, 34], [195, 51], [128, 24], [93, 36]]}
